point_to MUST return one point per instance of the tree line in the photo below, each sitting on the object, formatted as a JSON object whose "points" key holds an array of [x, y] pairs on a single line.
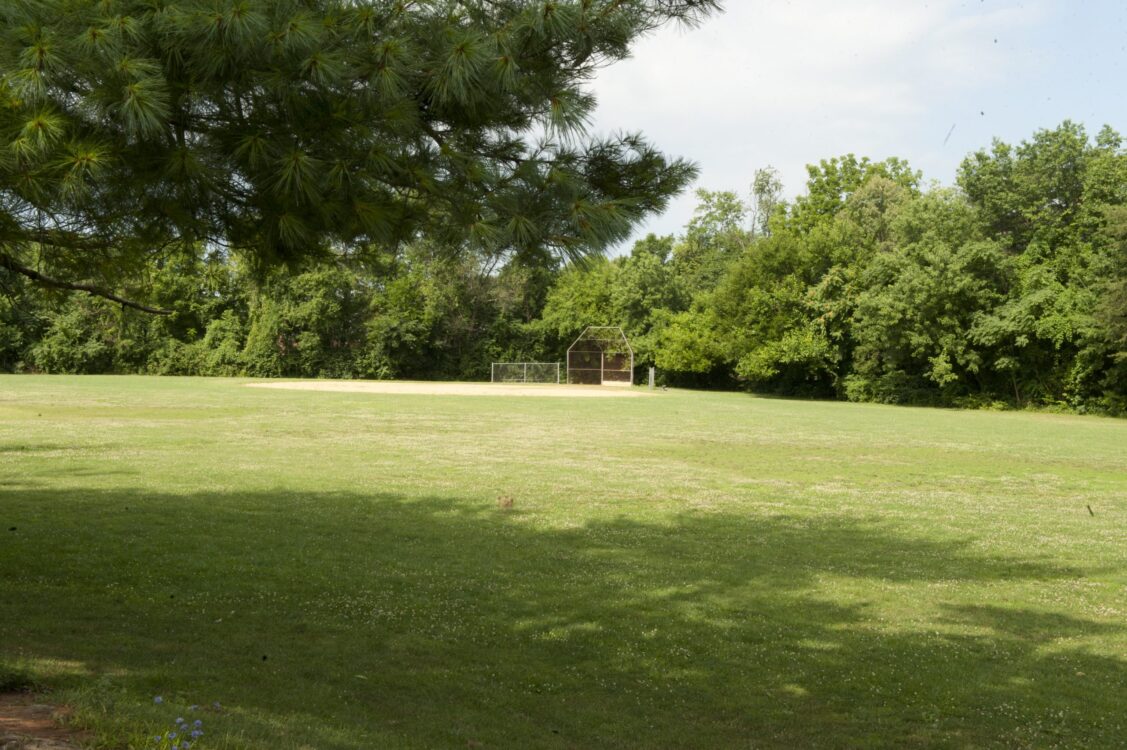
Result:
{"points": [[1008, 289]]}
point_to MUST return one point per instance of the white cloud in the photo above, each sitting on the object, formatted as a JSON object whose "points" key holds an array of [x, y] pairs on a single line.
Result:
{"points": [[787, 83]]}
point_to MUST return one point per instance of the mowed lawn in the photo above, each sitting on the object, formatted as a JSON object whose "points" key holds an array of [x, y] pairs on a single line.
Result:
{"points": [[686, 570]]}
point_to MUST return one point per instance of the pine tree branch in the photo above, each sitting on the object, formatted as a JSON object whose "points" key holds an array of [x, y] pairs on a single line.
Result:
{"points": [[91, 289]]}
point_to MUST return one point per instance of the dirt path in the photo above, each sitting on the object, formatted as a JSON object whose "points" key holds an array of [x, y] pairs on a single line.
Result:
{"points": [[454, 389], [26, 724]]}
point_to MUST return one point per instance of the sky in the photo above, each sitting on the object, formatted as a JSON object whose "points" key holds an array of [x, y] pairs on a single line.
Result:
{"points": [[785, 84]]}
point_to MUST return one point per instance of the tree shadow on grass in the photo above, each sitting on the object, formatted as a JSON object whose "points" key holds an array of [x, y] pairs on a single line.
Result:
{"points": [[348, 620]]}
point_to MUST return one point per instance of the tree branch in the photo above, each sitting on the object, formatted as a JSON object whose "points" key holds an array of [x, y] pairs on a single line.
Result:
{"points": [[96, 291]]}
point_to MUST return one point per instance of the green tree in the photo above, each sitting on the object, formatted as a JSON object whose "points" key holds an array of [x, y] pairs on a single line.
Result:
{"points": [[832, 181], [444, 315], [80, 338], [24, 316], [919, 302], [283, 129], [714, 237], [777, 317], [1046, 201], [766, 199], [1112, 311], [308, 324], [581, 297]]}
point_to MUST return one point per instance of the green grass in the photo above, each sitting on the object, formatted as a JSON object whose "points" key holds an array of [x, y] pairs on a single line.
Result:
{"points": [[683, 571]]}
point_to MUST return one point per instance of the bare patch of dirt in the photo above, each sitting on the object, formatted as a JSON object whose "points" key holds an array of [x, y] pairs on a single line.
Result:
{"points": [[27, 724], [454, 389]]}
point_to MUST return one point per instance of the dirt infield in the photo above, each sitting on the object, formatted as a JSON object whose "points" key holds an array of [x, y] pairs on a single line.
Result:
{"points": [[405, 388]]}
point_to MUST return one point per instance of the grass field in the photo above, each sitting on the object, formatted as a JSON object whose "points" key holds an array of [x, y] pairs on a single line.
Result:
{"points": [[687, 570]]}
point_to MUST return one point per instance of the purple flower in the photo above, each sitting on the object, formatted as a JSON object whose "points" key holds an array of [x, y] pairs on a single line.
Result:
{"points": [[198, 723], [158, 700]]}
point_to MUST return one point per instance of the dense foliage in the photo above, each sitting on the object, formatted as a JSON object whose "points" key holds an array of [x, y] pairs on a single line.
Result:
{"points": [[285, 130], [1008, 289]]}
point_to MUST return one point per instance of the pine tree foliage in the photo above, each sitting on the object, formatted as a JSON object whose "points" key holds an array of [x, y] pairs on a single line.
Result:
{"points": [[281, 128]]}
